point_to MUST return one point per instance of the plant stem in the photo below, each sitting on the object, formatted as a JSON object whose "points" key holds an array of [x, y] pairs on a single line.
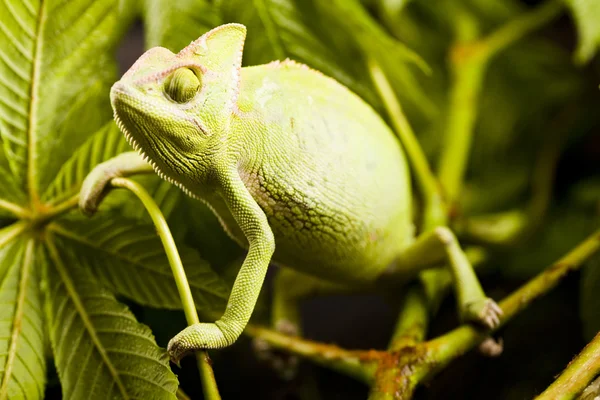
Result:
{"points": [[10, 232], [469, 59], [395, 374], [467, 79], [434, 209], [17, 210], [592, 391], [455, 343], [413, 319], [209, 384], [57, 210], [521, 26], [355, 363], [578, 374], [181, 395]]}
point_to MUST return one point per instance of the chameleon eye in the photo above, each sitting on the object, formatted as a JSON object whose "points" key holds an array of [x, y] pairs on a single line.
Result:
{"points": [[182, 85]]}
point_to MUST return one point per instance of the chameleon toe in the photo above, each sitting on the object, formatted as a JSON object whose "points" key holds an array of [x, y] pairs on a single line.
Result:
{"points": [[485, 312]]}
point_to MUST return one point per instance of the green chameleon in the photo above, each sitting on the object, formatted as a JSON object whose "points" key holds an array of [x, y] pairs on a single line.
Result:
{"points": [[299, 170]]}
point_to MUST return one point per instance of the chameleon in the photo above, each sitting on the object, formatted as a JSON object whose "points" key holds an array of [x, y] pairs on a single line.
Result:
{"points": [[298, 169]]}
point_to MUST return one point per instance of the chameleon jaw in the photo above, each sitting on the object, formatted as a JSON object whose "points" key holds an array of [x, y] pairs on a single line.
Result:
{"points": [[136, 146]]}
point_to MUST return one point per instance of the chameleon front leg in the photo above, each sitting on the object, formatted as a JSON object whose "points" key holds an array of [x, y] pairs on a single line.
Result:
{"points": [[439, 245], [261, 245], [95, 185]]}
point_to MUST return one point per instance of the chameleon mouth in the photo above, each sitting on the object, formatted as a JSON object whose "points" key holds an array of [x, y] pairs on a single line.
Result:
{"points": [[138, 148]]}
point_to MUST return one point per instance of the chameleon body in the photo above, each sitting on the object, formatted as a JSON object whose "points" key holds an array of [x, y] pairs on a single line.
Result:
{"points": [[299, 170], [332, 209]]}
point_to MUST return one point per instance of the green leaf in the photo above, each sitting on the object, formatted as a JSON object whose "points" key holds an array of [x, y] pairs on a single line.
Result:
{"points": [[586, 14], [517, 120], [394, 57], [22, 335], [174, 24], [101, 351], [566, 225], [392, 7], [128, 258], [12, 196], [106, 143], [295, 28], [56, 67]]}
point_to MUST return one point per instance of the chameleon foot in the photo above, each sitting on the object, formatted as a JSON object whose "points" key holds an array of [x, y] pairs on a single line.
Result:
{"points": [[94, 189], [196, 337], [484, 311], [284, 364], [96, 184]]}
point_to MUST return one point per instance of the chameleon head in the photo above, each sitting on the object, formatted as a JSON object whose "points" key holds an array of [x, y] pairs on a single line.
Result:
{"points": [[175, 109]]}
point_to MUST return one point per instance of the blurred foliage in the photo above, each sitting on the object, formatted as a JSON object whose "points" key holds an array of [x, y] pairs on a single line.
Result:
{"points": [[57, 62], [585, 14]]}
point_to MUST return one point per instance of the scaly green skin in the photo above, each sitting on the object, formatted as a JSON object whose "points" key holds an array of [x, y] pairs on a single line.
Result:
{"points": [[298, 169]]}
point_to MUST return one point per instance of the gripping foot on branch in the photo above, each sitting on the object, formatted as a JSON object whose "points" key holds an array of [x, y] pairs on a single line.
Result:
{"points": [[199, 336], [96, 184]]}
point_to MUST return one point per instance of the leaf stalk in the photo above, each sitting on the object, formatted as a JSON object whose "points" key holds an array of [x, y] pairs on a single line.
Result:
{"points": [[209, 385], [469, 60]]}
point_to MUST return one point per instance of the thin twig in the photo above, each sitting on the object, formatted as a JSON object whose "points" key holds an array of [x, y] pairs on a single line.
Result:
{"points": [[434, 213], [521, 26], [15, 209], [359, 364], [455, 343], [412, 322], [469, 60], [578, 374], [181, 395], [209, 384], [395, 374]]}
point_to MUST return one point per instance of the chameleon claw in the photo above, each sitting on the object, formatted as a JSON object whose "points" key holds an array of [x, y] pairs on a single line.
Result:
{"points": [[96, 184], [94, 188], [196, 337], [176, 362]]}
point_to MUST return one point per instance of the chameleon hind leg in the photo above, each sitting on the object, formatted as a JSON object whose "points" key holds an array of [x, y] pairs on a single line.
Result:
{"points": [[440, 245], [289, 289]]}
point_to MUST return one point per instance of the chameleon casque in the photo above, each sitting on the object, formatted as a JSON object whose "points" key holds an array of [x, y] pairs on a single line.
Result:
{"points": [[300, 171]]}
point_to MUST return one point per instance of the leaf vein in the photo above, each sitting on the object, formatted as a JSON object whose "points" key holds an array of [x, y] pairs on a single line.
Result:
{"points": [[16, 328], [18, 20], [77, 301]]}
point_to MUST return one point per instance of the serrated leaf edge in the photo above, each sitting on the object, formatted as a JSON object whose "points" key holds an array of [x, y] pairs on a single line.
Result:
{"points": [[66, 233], [16, 329], [77, 302]]}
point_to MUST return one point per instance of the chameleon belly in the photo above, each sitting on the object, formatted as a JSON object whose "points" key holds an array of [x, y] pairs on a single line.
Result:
{"points": [[331, 177]]}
